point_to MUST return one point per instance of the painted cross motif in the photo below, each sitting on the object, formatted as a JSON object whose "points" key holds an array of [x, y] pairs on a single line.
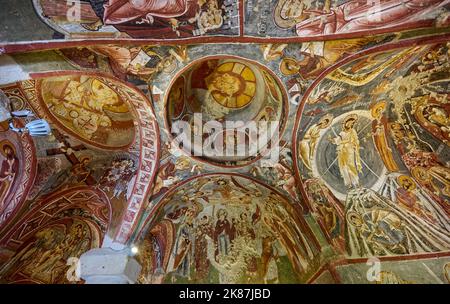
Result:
{"points": [[79, 166]]}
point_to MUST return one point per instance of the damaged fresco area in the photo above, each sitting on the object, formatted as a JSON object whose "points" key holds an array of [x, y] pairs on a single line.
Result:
{"points": [[62, 212], [340, 18], [218, 20], [226, 229], [164, 19]]}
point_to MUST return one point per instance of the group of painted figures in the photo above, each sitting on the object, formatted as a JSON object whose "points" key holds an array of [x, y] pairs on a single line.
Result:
{"points": [[252, 238], [402, 208], [187, 18], [140, 18], [370, 147]]}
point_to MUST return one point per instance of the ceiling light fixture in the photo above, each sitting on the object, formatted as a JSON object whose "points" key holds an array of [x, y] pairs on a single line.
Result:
{"points": [[38, 127]]}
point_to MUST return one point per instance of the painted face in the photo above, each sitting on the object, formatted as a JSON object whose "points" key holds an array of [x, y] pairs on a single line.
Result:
{"points": [[407, 185], [292, 9], [423, 175], [182, 164], [244, 216], [8, 151], [212, 5], [222, 214], [349, 124], [403, 90], [379, 112], [355, 219], [227, 84], [315, 188], [221, 182], [397, 130], [323, 123]]}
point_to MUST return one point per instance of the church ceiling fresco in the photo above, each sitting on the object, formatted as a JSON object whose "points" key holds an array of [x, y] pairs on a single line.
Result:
{"points": [[225, 89], [226, 229], [363, 121], [88, 107], [67, 158], [141, 19], [17, 171], [340, 18], [61, 226], [435, 271], [427, 270], [383, 152], [222, 20]]}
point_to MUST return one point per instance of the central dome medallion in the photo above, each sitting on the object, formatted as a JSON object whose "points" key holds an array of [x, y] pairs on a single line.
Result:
{"points": [[232, 84], [226, 89]]}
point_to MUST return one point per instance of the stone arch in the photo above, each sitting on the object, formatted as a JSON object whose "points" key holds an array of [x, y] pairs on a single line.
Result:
{"points": [[347, 93], [59, 227], [229, 219], [84, 154]]}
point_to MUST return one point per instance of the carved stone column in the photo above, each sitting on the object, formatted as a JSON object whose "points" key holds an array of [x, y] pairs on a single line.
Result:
{"points": [[108, 266]]}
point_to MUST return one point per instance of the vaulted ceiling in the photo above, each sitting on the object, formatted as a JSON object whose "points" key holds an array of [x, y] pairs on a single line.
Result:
{"points": [[358, 167]]}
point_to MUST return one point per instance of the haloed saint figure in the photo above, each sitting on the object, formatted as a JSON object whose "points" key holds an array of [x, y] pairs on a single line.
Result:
{"points": [[348, 156], [8, 171], [205, 13]]}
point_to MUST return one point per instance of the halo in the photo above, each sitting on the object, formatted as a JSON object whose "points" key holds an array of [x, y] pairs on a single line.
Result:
{"points": [[403, 178], [286, 66], [221, 181], [88, 158], [97, 85], [352, 218], [418, 173], [242, 76], [4, 143], [328, 118], [350, 117], [198, 207], [169, 65], [376, 107], [447, 271]]}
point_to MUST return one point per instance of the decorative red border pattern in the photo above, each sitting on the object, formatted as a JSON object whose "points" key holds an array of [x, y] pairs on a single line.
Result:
{"points": [[377, 49], [9, 48], [147, 138]]}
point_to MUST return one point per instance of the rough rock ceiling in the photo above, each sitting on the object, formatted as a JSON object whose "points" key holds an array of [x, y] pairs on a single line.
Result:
{"points": [[361, 94]]}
